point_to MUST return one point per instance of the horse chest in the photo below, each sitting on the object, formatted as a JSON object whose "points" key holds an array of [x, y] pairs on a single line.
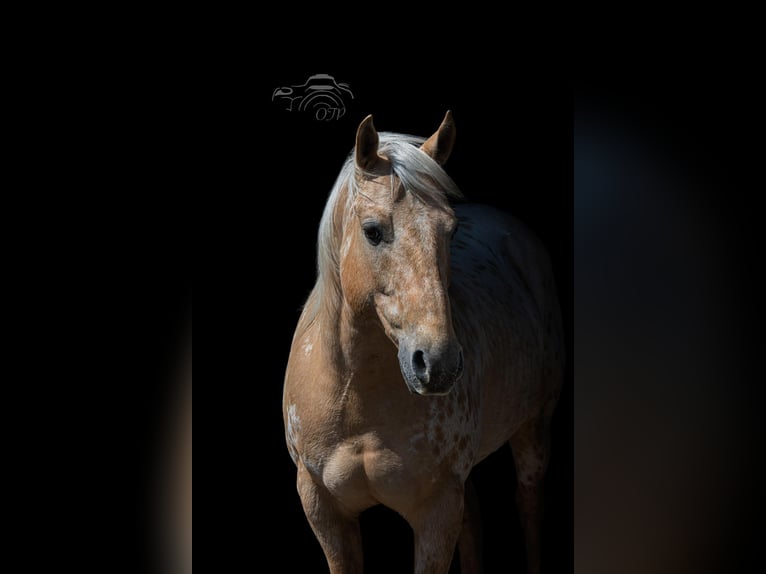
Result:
{"points": [[361, 471], [392, 466]]}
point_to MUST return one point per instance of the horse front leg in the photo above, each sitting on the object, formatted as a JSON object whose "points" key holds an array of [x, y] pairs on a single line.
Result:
{"points": [[436, 524], [337, 532]]}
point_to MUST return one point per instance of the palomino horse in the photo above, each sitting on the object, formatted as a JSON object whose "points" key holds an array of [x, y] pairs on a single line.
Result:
{"points": [[432, 337]]}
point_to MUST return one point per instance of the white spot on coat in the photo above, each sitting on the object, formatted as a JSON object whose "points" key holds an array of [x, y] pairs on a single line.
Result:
{"points": [[293, 431]]}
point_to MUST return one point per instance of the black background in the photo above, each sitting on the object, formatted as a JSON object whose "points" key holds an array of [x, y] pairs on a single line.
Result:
{"points": [[668, 251], [513, 151]]}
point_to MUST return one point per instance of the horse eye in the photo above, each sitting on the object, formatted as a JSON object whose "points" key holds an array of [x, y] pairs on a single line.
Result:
{"points": [[373, 233]]}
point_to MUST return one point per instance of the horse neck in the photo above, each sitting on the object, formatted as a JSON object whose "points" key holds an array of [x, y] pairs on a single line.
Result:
{"points": [[359, 347]]}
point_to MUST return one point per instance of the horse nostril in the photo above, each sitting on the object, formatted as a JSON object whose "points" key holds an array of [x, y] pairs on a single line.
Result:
{"points": [[419, 366], [459, 364]]}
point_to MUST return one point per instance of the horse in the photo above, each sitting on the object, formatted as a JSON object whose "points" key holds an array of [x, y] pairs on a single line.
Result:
{"points": [[431, 338]]}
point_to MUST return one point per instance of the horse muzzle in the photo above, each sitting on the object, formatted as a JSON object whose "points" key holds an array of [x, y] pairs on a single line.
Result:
{"points": [[431, 370]]}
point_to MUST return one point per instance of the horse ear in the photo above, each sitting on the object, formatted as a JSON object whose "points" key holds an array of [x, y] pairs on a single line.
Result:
{"points": [[439, 145], [367, 145]]}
